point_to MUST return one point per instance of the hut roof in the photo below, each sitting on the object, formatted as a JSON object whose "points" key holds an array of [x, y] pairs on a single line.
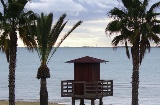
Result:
{"points": [[86, 59]]}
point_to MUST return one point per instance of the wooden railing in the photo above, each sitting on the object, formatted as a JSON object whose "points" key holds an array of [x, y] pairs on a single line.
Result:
{"points": [[91, 89]]}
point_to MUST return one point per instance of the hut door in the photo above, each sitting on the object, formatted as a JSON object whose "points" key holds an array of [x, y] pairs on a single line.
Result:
{"points": [[79, 78]]}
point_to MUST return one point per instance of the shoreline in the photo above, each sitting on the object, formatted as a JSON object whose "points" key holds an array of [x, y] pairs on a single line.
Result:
{"points": [[5, 102]]}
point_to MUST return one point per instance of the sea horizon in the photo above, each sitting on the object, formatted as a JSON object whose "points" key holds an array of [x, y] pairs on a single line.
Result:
{"points": [[118, 69]]}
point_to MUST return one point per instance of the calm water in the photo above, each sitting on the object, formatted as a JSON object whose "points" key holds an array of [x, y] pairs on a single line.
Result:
{"points": [[119, 69]]}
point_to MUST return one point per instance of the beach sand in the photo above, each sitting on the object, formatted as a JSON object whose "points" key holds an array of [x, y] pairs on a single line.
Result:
{"points": [[26, 103]]}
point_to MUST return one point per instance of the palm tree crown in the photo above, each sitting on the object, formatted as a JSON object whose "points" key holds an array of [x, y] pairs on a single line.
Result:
{"points": [[46, 36], [135, 24]]}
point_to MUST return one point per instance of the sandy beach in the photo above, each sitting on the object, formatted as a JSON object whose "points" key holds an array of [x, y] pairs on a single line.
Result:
{"points": [[26, 103]]}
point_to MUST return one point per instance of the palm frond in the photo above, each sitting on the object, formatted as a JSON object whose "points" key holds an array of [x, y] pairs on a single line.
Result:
{"points": [[54, 39], [26, 27], [57, 28], [27, 38], [64, 37], [151, 16], [55, 32], [116, 40], [116, 12], [156, 21], [42, 36], [153, 7], [127, 3], [113, 26], [144, 44], [145, 4], [4, 6], [15, 8], [127, 50], [153, 37], [156, 29], [48, 23], [4, 45]]}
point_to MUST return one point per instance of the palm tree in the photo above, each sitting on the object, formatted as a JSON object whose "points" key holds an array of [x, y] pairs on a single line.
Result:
{"points": [[139, 27], [11, 20], [46, 37]]}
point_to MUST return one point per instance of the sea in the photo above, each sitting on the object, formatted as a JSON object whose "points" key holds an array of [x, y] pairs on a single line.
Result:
{"points": [[118, 69]]}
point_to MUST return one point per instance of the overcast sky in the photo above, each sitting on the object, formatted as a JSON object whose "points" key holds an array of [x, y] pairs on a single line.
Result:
{"points": [[93, 13]]}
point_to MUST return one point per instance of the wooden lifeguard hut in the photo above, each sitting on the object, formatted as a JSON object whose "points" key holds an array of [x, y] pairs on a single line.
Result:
{"points": [[86, 83]]}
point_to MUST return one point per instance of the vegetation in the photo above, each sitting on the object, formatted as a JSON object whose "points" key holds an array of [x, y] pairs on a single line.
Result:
{"points": [[46, 37], [139, 27], [12, 20]]}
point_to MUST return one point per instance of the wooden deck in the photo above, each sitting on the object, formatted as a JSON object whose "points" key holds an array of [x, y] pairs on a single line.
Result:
{"points": [[91, 90]]}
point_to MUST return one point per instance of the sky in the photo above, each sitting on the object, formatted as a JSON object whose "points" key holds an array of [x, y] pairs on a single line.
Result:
{"points": [[93, 13]]}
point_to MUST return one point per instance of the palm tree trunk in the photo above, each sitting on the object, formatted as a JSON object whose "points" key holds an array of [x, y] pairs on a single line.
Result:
{"points": [[12, 67], [135, 75], [43, 92]]}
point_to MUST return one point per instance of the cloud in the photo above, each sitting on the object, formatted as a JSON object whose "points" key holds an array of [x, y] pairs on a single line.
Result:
{"points": [[76, 9], [99, 3], [47, 6], [89, 33]]}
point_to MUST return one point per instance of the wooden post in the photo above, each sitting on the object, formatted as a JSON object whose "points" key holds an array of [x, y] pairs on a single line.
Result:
{"points": [[73, 101], [82, 102], [92, 102], [100, 101]]}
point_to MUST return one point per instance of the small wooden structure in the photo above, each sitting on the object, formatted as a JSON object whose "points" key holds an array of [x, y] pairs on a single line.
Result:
{"points": [[86, 83]]}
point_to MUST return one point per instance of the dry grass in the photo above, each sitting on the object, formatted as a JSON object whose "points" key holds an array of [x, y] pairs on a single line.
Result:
{"points": [[26, 103]]}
